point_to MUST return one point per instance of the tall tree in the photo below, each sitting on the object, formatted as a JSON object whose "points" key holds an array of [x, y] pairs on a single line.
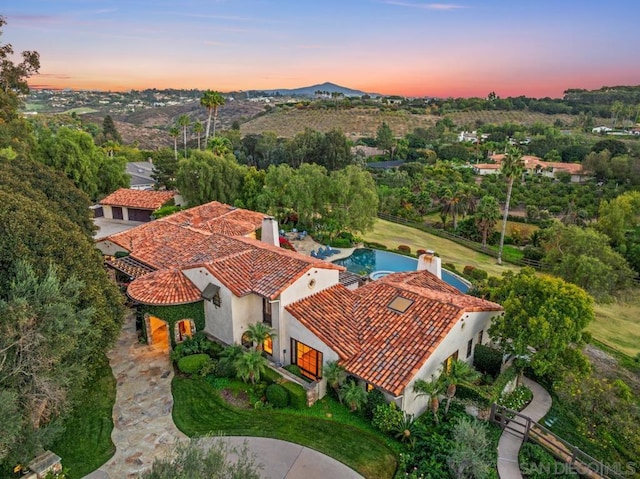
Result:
{"points": [[487, 216], [544, 319], [385, 139], [198, 128], [174, 132], [585, 257], [184, 121], [109, 130], [13, 77], [511, 167], [211, 100]]}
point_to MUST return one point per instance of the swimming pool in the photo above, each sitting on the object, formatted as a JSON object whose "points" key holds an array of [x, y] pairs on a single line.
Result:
{"points": [[365, 261]]}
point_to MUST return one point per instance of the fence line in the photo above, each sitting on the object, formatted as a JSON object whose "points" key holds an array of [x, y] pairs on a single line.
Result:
{"points": [[521, 425]]}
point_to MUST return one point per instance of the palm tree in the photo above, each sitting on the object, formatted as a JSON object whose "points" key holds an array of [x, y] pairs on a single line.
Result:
{"points": [[198, 128], [487, 216], [432, 389], [229, 355], [250, 365], [512, 165], [617, 108], [335, 375], [184, 121], [174, 132], [258, 333], [211, 100], [460, 372], [353, 395]]}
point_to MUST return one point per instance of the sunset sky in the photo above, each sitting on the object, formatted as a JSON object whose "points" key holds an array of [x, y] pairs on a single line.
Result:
{"points": [[405, 47]]}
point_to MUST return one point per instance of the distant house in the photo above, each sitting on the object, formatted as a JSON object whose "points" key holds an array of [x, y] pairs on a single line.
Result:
{"points": [[134, 205], [534, 166], [140, 173], [601, 129], [206, 263]]}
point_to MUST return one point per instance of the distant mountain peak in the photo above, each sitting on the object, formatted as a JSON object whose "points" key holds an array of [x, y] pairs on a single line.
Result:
{"points": [[311, 90]]}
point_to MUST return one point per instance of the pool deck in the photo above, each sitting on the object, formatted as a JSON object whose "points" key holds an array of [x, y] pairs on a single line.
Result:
{"points": [[307, 245]]}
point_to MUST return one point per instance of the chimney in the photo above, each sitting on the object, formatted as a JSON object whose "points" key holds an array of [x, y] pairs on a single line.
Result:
{"points": [[270, 233], [431, 263]]}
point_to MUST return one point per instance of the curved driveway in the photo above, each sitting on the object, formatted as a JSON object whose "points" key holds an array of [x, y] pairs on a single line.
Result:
{"points": [[144, 429]]}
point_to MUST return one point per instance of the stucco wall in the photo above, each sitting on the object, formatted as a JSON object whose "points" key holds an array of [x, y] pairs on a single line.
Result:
{"points": [[299, 332], [456, 340], [109, 248]]}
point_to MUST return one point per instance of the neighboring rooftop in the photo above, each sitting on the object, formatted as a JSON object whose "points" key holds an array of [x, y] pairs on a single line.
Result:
{"points": [[140, 199], [140, 173]]}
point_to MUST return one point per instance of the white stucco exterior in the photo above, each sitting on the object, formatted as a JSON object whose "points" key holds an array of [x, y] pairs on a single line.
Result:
{"points": [[109, 248], [466, 328]]}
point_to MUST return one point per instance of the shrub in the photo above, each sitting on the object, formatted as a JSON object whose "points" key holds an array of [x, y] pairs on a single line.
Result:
{"points": [[476, 274], [194, 363], [271, 376], [374, 245], [375, 398], [277, 396], [387, 417], [450, 266], [297, 395], [421, 252], [487, 360], [403, 248], [518, 399], [341, 243], [225, 369], [293, 369]]}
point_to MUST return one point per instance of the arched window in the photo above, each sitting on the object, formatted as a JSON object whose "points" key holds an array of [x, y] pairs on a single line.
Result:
{"points": [[183, 329]]}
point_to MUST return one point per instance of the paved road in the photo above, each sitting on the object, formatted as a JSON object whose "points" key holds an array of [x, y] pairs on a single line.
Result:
{"points": [[144, 428]]}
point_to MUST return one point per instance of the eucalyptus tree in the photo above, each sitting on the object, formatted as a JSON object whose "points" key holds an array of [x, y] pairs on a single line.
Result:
{"points": [[511, 167], [211, 100]]}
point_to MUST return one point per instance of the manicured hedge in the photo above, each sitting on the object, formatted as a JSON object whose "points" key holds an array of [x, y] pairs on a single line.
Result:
{"points": [[277, 396], [297, 395], [193, 364]]}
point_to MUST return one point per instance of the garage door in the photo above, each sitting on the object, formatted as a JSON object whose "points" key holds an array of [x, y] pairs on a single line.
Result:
{"points": [[116, 211], [139, 215]]}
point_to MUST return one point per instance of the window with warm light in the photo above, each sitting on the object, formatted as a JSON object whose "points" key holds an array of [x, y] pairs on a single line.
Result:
{"points": [[267, 346], [309, 360]]}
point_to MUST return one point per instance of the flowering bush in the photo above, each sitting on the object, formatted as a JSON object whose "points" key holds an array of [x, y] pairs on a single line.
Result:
{"points": [[518, 399]]}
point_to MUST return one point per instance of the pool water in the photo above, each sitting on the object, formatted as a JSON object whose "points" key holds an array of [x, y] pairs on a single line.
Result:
{"points": [[365, 261]]}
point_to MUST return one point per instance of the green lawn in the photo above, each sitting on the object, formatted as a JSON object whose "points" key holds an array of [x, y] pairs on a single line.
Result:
{"points": [[392, 235], [198, 410], [617, 324], [86, 443]]}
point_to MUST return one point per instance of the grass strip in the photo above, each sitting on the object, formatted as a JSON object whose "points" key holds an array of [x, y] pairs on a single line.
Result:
{"points": [[198, 410]]}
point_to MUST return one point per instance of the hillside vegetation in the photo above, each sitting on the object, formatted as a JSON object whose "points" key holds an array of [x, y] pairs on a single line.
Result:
{"points": [[363, 122]]}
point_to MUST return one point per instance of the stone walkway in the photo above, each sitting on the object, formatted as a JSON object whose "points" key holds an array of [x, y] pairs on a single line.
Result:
{"points": [[144, 429], [510, 443], [143, 426]]}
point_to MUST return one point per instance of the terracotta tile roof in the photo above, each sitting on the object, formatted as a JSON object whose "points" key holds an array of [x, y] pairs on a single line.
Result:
{"points": [[376, 343], [217, 217], [163, 288], [142, 199], [187, 239], [260, 268], [531, 162]]}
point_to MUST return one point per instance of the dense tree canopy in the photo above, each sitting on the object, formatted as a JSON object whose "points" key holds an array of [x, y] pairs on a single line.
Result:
{"points": [[544, 318], [583, 256]]}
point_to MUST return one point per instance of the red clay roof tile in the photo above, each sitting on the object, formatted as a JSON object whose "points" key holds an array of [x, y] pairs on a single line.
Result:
{"points": [[141, 199], [163, 288], [376, 343]]}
